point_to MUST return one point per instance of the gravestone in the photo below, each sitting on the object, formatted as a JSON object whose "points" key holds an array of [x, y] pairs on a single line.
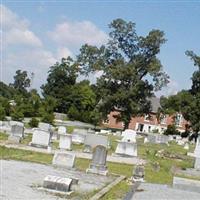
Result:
{"points": [[62, 130], [186, 147], [65, 141], [12, 123], [17, 133], [197, 163], [57, 183], [41, 138], [126, 148], [129, 135], [138, 173], [78, 136], [63, 159], [98, 163], [197, 148], [151, 138], [92, 140], [145, 140], [162, 139], [197, 154], [44, 126]]}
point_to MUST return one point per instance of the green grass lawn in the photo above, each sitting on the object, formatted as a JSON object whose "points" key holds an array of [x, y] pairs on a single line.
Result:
{"points": [[3, 136], [164, 174], [27, 139], [157, 170]]}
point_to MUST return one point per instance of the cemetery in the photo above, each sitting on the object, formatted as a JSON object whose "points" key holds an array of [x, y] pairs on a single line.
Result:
{"points": [[102, 157], [99, 108]]}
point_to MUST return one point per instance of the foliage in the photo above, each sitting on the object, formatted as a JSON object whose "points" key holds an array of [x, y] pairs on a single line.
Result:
{"points": [[62, 76], [47, 108], [34, 122], [2, 114], [187, 101], [131, 69], [17, 114], [6, 91], [171, 130], [21, 81]]}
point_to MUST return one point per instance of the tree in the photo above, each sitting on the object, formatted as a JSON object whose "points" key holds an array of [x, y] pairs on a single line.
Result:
{"points": [[131, 70], [187, 101], [62, 76], [21, 81], [47, 108], [7, 91], [82, 101]]}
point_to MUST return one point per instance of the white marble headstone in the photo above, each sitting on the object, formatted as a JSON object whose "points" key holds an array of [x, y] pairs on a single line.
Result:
{"points": [[65, 141], [129, 135], [41, 138], [63, 159]]}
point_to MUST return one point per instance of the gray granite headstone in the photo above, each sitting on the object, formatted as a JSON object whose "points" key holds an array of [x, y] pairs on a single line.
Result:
{"points": [[44, 126], [63, 159], [98, 164], [17, 133], [41, 138], [93, 140], [17, 130], [57, 183], [78, 135], [138, 173]]}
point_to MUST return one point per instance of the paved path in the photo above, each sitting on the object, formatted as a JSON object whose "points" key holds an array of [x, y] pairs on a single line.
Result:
{"points": [[115, 159], [147, 191], [19, 180]]}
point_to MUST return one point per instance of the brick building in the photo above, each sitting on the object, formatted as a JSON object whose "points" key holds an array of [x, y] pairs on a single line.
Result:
{"points": [[148, 123]]}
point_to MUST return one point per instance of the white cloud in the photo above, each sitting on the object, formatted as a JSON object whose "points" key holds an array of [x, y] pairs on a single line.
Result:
{"points": [[63, 52], [74, 34], [32, 60], [16, 30], [171, 89], [22, 37]]}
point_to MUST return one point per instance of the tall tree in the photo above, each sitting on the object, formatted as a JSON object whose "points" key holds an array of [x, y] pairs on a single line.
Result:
{"points": [[131, 69], [62, 76], [21, 81], [187, 101]]}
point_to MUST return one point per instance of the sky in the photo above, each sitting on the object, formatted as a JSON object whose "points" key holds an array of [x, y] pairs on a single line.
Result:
{"points": [[37, 34]]}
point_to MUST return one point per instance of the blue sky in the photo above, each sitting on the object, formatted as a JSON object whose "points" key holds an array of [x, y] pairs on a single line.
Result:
{"points": [[38, 33]]}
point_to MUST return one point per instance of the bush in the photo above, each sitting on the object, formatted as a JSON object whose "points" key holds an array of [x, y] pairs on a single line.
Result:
{"points": [[17, 115], [171, 130], [48, 118], [34, 122], [2, 114], [185, 134]]}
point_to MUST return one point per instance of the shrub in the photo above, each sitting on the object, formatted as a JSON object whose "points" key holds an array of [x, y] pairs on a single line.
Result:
{"points": [[2, 114], [17, 115], [48, 118], [171, 130], [34, 122]]}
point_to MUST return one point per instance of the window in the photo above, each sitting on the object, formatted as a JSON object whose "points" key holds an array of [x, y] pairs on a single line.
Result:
{"points": [[178, 119], [147, 117], [163, 119]]}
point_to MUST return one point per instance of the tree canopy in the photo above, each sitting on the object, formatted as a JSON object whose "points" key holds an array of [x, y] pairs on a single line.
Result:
{"points": [[187, 101], [131, 69]]}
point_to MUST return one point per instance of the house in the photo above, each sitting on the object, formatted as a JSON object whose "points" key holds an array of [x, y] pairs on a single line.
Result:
{"points": [[148, 123]]}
